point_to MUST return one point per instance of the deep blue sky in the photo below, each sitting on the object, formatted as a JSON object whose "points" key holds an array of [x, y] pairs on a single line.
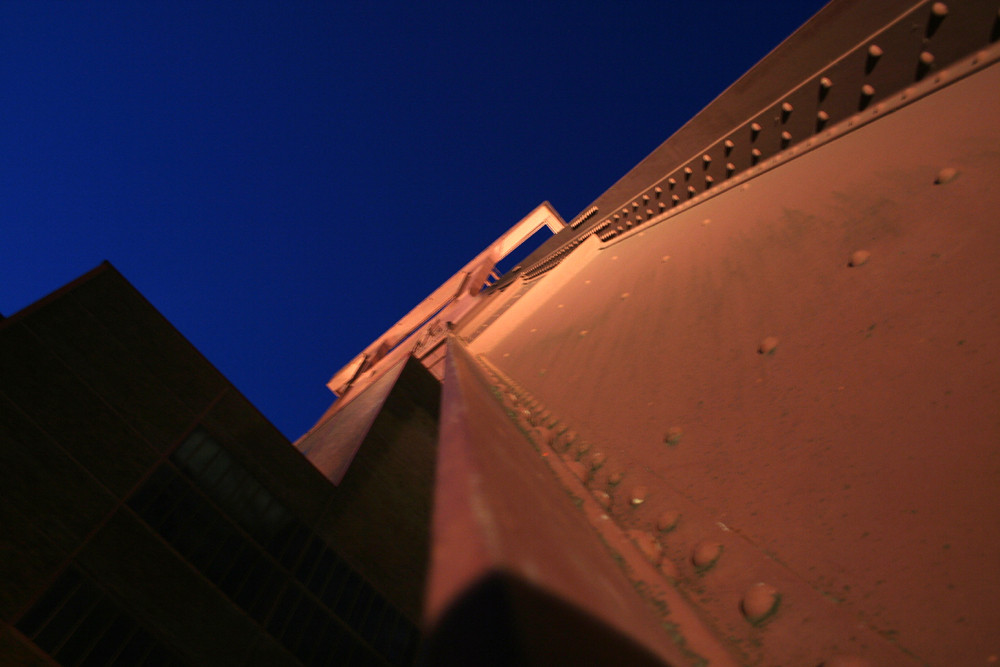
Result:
{"points": [[284, 180]]}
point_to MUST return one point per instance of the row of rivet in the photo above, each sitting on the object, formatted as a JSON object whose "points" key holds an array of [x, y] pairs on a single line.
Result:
{"points": [[874, 54]]}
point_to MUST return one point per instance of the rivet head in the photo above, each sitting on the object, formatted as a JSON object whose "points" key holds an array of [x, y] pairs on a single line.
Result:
{"points": [[859, 258], [707, 159], [728, 143], [760, 601], [875, 51], [674, 435], [786, 107], [946, 175], [638, 496], [583, 447], [756, 152], [616, 478], [755, 128], [603, 498], [597, 460], [688, 171], [705, 554], [768, 345], [939, 9], [578, 469], [823, 116], [647, 544], [868, 90], [669, 569], [658, 189], [826, 83], [625, 295], [667, 521], [926, 58], [786, 136], [635, 204]]}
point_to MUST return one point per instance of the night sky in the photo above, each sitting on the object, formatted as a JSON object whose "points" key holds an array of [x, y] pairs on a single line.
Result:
{"points": [[284, 180]]}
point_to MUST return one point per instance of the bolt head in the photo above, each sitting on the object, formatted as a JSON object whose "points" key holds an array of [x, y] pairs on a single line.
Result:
{"points": [[705, 554], [760, 601], [946, 175], [667, 521], [859, 258], [768, 345]]}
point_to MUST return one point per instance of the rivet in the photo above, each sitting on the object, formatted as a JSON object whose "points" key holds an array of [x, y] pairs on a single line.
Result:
{"points": [[691, 191], [729, 145], [583, 447], [939, 11], [708, 181], [624, 211], [825, 84], [583, 333], [875, 51], [755, 155], [868, 90], [635, 204], [768, 345], [658, 190], [577, 469], [859, 257], [597, 460], [786, 111], [786, 138], [667, 521], [649, 212], [821, 118], [638, 496], [688, 171], [760, 601], [638, 219], [705, 554], [616, 478], [669, 569], [662, 206], [603, 498], [946, 175], [672, 182], [665, 258], [755, 129], [674, 435], [647, 544], [730, 168], [707, 159], [926, 58], [675, 198]]}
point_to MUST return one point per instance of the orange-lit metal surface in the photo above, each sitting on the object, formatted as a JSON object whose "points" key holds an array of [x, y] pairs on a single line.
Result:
{"points": [[767, 363]]}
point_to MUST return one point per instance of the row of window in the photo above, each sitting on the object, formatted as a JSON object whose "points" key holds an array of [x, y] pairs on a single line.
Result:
{"points": [[78, 624], [323, 606]]}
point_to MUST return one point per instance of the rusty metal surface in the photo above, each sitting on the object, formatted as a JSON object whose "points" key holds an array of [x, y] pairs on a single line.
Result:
{"points": [[841, 67], [500, 512], [806, 368]]}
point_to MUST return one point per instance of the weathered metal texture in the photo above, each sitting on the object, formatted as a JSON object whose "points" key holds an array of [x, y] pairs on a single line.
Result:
{"points": [[804, 369], [516, 568], [845, 66]]}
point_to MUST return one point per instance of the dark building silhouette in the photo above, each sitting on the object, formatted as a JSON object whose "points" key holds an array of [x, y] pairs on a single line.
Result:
{"points": [[151, 515]]}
